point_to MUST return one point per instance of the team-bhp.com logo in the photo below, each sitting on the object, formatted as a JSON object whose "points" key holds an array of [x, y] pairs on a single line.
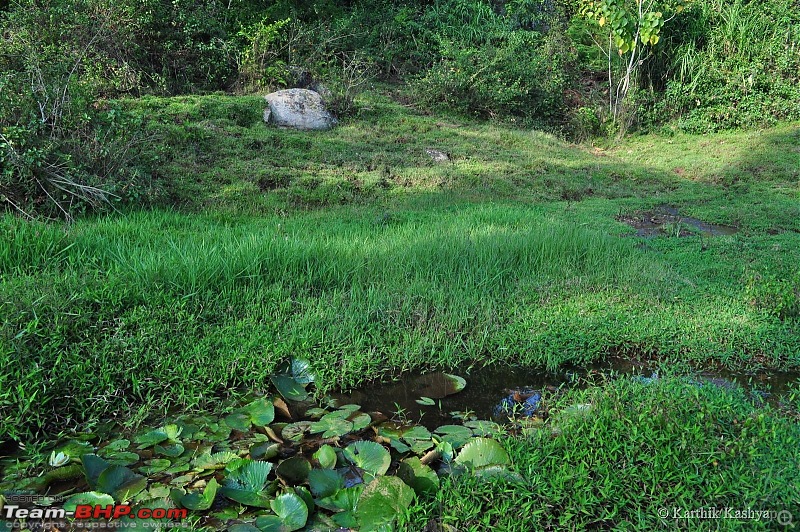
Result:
{"points": [[89, 511]]}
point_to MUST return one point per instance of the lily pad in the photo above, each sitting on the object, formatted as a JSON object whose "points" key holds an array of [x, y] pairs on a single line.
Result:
{"points": [[246, 481], [325, 482], [90, 497], [200, 500], [260, 413], [291, 513], [121, 483], [482, 452], [213, 461], [370, 456], [456, 435], [294, 470], [123, 458], [289, 388], [265, 451], [326, 456], [156, 465], [331, 425], [172, 450], [382, 501], [93, 466], [295, 431], [418, 475], [343, 500]]}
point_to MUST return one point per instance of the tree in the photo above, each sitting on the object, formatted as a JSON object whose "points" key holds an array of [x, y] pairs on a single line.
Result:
{"points": [[632, 26]]}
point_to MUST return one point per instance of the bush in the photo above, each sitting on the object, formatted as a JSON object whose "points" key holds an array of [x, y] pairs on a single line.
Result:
{"points": [[521, 74]]}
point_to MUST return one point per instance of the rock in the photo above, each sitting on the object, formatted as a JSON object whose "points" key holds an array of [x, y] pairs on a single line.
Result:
{"points": [[437, 156], [299, 109]]}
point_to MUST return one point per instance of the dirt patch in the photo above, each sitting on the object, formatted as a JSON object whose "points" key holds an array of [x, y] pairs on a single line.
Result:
{"points": [[667, 221]]}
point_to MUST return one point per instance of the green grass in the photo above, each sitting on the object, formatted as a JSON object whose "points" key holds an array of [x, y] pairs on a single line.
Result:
{"points": [[353, 248], [640, 448]]}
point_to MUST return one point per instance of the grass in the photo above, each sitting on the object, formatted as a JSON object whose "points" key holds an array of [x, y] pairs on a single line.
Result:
{"points": [[354, 249], [640, 449], [509, 253]]}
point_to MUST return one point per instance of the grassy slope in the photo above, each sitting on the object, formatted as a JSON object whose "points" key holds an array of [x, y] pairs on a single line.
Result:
{"points": [[510, 252]]}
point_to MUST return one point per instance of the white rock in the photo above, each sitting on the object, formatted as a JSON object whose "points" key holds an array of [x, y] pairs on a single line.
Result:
{"points": [[299, 109]]}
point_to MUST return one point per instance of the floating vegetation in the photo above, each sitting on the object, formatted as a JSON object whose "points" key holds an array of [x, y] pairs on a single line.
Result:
{"points": [[271, 464]]}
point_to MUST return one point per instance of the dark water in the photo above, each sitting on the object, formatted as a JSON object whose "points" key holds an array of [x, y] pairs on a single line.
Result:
{"points": [[486, 388], [666, 220]]}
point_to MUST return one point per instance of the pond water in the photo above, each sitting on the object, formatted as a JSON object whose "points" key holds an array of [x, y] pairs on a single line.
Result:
{"points": [[667, 221], [487, 387]]}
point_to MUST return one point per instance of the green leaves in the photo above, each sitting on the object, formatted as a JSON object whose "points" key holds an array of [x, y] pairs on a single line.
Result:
{"points": [[291, 513], [260, 413], [369, 456], [382, 501], [199, 500], [245, 482]]}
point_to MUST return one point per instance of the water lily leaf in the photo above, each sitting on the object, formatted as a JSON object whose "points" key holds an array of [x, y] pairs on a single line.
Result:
{"points": [[177, 468], [294, 470], [421, 446], [213, 432], [401, 447], [344, 500], [249, 475], [418, 475], [483, 428], [158, 491], [172, 450], [182, 480], [248, 498], [456, 435], [243, 527], [295, 431], [426, 401], [281, 407], [156, 465], [315, 413], [93, 465], [497, 471], [151, 438], [416, 433], [332, 425], [123, 458], [291, 514], [381, 501], [369, 456], [238, 421], [304, 494], [120, 482], [326, 456], [265, 451], [349, 408], [289, 388], [114, 446], [481, 452], [360, 421], [325, 482], [214, 461], [89, 497], [200, 500]]}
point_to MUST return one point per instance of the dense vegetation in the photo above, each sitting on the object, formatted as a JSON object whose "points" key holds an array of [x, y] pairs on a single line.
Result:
{"points": [[203, 249]]}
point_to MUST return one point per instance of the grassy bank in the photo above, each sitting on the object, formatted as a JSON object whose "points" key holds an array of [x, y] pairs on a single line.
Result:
{"points": [[509, 252]]}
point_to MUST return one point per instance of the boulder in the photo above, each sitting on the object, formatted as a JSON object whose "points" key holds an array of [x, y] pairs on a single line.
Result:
{"points": [[299, 109]]}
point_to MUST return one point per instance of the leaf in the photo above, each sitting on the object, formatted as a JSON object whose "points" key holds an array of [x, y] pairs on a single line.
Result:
{"points": [[381, 501], [331, 425], [213, 461], [201, 500], [426, 401], [89, 497], [116, 445], [265, 450], [248, 475], [481, 452], [294, 470], [123, 458], [418, 475], [260, 413], [238, 421], [295, 431], [438, 385], [325, 482], [326, 456], [156, 465], [121, 483], [483, 428], [369, 456], [289, 388], [301, 371], [151, 438], [360, 421], [343, 500], [456, 435], [291, 514], [172, 450], [93, 466]]}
